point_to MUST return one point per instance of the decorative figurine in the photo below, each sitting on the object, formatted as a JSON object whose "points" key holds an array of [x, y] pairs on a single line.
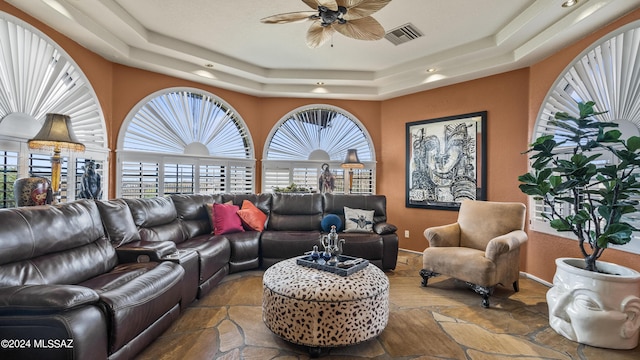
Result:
{"points": [[326, 182], [315, 255], [91, 185]]}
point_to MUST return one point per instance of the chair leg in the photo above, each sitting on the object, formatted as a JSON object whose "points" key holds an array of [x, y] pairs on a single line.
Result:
{"points": [[484, 291], [516, 286], [426, 274]]}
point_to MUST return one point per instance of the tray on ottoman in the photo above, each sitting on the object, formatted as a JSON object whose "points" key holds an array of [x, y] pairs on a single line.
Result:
{"points": [[344, 270]]}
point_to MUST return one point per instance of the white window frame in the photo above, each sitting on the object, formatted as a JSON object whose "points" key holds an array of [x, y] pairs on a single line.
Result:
{"points": [[232, 165], [271, 167]]}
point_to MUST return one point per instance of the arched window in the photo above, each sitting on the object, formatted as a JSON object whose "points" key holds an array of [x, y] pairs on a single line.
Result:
{"points": [[608, 72], [38, 77], [184, 141], [309, 137]]}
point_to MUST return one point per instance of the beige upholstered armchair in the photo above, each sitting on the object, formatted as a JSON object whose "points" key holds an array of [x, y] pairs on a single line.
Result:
{"points": [[482, 248]]}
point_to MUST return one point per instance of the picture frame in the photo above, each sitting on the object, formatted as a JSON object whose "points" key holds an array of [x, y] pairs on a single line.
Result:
{"points": [[446, 161]]}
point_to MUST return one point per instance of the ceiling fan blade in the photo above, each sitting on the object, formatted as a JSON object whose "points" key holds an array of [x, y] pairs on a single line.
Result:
{"points": [[288, 17], [331, 4], [366, 28], [318, 34], [357, 9]]}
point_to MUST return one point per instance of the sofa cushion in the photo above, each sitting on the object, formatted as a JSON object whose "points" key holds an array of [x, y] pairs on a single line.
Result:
{"points": [[384, 228], [191, 206], [31, 231], [151, 212], [280, 245], [330, 220], [358, 220], [252, 217], [214, 253], [118, 222], [335, 203], [226, 219], [135, 295], [295, 212]]}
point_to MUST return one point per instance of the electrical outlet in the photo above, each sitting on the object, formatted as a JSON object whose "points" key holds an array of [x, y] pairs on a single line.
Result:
{"points": [[406, 234]]}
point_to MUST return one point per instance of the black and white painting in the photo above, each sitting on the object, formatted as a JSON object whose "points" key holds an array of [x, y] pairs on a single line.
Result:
{"points": [[446, 161]]}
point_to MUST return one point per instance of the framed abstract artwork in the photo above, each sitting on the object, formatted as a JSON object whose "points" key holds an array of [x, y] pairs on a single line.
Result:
{"points": [[446, 161]]}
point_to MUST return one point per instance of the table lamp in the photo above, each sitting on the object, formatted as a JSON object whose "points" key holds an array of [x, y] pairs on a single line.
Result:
{"points": [[56, 133], [351, 162]]}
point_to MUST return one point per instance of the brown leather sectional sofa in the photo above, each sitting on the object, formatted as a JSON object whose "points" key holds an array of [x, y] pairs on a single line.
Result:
{"points": [[103, 279]]}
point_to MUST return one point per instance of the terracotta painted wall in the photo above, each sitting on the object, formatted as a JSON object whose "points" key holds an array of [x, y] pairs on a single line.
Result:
{"points": [[504, 97], [542, 249]]}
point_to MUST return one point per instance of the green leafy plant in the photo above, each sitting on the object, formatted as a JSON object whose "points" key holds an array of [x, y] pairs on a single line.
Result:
{"points": [[564, 171], [292, 188]]}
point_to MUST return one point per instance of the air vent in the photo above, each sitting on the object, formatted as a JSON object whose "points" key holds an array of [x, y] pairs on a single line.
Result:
{"points": [[402, 34]]}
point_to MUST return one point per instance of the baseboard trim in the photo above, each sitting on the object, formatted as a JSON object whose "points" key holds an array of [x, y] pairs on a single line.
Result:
{"points": [[536, 279]]}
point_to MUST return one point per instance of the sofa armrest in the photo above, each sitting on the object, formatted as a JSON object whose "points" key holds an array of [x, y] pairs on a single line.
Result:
{"points": [[143, 251], [45, 298], [504, 244], [383, 228], [443, 236]]}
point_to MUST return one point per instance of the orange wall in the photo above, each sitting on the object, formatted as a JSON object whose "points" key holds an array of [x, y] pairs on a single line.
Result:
{"points": [[511, 100], [504, 98]]}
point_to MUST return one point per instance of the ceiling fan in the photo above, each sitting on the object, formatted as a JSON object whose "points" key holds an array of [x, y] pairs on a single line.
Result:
{"points": [[351, 18]]}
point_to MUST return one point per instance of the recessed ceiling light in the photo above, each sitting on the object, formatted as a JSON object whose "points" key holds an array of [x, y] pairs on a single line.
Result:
{"points": [[430, 70], [569, 3], [209, 65], [320, 83]]}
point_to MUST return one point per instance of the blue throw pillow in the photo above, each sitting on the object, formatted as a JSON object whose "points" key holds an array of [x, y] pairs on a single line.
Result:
{"points": [[331, 219]]}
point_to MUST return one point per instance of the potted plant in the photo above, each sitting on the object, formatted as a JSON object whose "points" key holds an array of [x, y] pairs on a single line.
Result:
{"points": [[595, 199]]}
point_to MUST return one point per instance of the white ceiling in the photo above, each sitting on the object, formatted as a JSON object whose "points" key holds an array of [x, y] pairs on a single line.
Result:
{"points": [[463, 40]]}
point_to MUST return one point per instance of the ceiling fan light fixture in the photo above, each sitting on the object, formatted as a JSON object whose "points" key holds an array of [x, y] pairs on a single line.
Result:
{"points": [[350, 18], [569, 3]]}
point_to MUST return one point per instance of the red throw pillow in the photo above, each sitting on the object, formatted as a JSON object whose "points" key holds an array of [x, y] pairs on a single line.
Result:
{"points": [[252, 217], [226, 219], [212, 216]]}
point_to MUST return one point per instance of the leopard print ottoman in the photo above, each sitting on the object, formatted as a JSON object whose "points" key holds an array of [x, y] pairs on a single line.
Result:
{"points": [[320, 309]]}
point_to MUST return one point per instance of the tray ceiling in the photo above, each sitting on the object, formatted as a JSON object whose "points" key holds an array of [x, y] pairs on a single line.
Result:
{"points": [[224, 44]]}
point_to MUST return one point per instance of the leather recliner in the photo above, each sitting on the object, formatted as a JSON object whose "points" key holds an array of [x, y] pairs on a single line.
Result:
{"points": [[61, 280]]}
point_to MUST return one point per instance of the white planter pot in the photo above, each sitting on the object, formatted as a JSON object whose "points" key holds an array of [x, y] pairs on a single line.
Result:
{"points": [[595, 308]]}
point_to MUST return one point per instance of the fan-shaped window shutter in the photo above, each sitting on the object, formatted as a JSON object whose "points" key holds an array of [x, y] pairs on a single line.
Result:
{"points": [[38, 77], [310, 136], [608, 73], [184, 141]]}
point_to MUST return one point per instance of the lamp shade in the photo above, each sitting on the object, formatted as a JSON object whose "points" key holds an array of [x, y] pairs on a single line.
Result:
{"points": [[351, 160], [56, 132]]}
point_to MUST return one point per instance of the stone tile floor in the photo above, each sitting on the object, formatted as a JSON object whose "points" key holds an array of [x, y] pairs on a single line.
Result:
{"points": [[442, 321]]}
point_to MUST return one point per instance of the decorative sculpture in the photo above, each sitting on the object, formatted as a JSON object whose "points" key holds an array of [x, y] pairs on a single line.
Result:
{"points": [[326, 182], [91, 184]]}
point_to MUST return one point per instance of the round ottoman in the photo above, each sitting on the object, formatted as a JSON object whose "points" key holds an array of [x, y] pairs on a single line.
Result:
{"points": [[320, 309]]}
